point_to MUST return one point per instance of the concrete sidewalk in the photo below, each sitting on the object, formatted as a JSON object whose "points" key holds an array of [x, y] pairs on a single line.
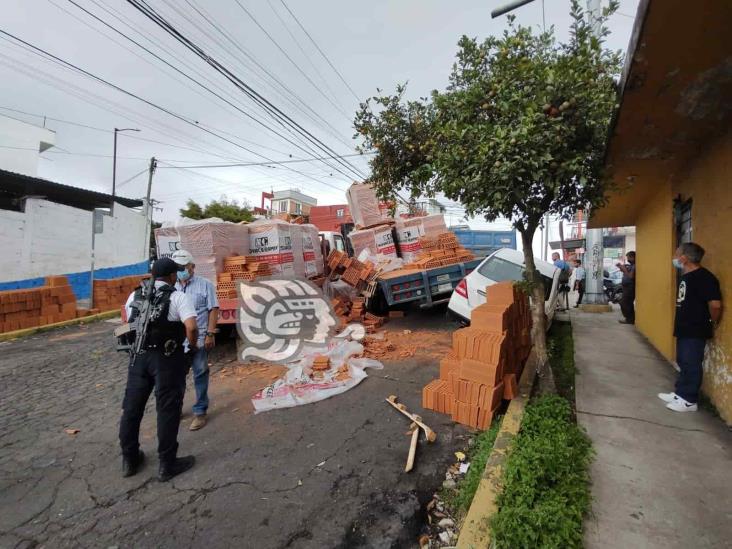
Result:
{"points": [[660, 478]]}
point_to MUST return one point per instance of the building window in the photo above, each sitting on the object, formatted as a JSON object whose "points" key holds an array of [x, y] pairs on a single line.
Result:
{"points": [[283, 205], [340, 212], [682, 215], [298, 208]]}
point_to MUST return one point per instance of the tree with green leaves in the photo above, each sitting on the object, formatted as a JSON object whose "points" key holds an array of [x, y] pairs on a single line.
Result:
{"points": [[228, 210], [519, 132]]}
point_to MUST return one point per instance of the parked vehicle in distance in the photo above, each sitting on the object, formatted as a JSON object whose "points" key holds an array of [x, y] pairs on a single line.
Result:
{"points": [[503, 264]]}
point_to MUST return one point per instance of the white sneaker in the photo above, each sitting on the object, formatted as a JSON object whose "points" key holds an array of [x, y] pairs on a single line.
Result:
{"points": [[680, 405], [667, 397]]}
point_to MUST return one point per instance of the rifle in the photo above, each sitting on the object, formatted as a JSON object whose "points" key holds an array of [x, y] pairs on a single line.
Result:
{"points": [[132, 336]]}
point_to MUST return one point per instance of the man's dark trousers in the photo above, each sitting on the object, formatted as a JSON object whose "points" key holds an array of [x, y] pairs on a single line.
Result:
{"points": [[689, 357], [580, 291], [167, 375], [627, 306]]}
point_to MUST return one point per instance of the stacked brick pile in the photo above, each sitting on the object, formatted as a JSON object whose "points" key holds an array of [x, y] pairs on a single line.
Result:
{"points": [[48, 304], [111, 294], [486, 359], [237, 268], [321, 364], [444, 249], [355, 311], [352, 271]]}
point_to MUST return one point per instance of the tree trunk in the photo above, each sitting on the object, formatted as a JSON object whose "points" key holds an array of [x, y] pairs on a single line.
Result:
{"points": [[538, 314]]}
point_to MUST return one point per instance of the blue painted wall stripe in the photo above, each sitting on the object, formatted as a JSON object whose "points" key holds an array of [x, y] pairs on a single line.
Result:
{"points": [[80, 281]]}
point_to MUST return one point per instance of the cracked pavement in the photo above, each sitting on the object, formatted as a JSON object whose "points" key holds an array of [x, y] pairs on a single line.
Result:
{"points": [[258, 479]]}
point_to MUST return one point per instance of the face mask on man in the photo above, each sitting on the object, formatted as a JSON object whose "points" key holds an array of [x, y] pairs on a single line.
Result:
{"points": [[184, 275], [677, 263]]}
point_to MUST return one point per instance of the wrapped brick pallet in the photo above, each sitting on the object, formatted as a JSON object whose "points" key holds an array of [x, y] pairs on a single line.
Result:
{"points": [[377, 240], [364, 205], [271, 241], [409, 231], [312, 255], [210, 241]]}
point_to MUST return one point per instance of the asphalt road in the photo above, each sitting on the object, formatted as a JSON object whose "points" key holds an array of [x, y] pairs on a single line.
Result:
{"points": [[329, 474]]}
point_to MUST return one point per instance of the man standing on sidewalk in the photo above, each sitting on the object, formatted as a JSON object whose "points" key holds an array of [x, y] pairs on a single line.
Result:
{"points": [[698, 309], [579, 281], [627, 303], [203, 295]]}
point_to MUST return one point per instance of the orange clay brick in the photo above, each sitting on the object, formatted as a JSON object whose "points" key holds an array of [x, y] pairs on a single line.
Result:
{"points": [[482, 373], [510, 387], [491, 318], [484, 419], [447, 365]]}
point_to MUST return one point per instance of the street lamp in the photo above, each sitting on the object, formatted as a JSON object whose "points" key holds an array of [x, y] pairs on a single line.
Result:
{"points": [[114, 163]]}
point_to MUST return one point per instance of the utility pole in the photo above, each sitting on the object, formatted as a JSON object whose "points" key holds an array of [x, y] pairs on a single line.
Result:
{"points": [[594, 252], [148, 209]]}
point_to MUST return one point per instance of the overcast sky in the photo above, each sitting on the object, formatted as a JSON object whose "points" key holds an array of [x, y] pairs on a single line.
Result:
{"points": [[373, 45]]}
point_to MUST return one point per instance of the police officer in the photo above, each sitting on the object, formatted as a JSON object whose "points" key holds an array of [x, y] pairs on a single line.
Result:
{"points": [[160, 366]]}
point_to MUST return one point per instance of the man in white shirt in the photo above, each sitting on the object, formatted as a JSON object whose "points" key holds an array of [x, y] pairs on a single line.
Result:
{"points": [[203, 295], [579, 281], [161, 366]]}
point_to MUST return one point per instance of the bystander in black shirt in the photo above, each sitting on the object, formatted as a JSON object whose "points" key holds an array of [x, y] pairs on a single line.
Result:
{"points": [[696, 290]]}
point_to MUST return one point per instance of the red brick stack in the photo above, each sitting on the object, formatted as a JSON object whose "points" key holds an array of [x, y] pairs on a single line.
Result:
{"points": [[486, 359], [48, 304], [111, 294], [437, 251], [239, 267]]}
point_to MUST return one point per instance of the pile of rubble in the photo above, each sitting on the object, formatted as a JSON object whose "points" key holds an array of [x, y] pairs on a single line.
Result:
{"points": [[352, 271], [354, 310], [444, 249]]}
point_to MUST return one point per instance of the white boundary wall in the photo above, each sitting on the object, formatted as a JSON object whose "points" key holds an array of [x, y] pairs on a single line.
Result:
{"points": [[50, 238]]}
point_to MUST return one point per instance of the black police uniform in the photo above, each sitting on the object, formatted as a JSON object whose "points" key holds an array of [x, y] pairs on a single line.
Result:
{"points": [[161, 367]]}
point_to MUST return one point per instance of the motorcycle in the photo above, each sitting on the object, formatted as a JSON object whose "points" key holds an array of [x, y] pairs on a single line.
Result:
{"points": [[612, 286]]}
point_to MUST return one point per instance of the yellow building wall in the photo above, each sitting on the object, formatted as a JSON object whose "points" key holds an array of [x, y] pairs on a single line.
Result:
{"points": [[655, 276], [709, 183]]}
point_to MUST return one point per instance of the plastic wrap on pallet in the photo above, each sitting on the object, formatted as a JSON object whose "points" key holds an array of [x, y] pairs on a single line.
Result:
{"points": [[409, 231], [298, 261], [271, 241], [210, 241], [312, 254], [377, 240], [364, 205]]}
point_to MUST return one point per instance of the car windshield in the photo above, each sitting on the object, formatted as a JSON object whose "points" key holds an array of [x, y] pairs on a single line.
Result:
{"points": [[499, 270]]}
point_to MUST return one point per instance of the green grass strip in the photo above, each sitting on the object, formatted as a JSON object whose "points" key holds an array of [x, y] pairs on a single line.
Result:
{"points": [[561, 355], [546, 490]]}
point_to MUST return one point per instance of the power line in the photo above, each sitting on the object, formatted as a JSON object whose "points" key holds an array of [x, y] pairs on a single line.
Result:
{"points": [[245, 113], [321, 51], [210, 20], [270, 108], [290, 96], [182, 118], [263, 163], [299, 69], [301, 48]]}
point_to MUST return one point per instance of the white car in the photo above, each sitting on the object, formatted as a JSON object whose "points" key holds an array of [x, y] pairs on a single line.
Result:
{"points": [[503, 264]]}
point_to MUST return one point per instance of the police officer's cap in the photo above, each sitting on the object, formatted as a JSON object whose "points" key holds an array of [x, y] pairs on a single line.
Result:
{"points": [[165, 267]]}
